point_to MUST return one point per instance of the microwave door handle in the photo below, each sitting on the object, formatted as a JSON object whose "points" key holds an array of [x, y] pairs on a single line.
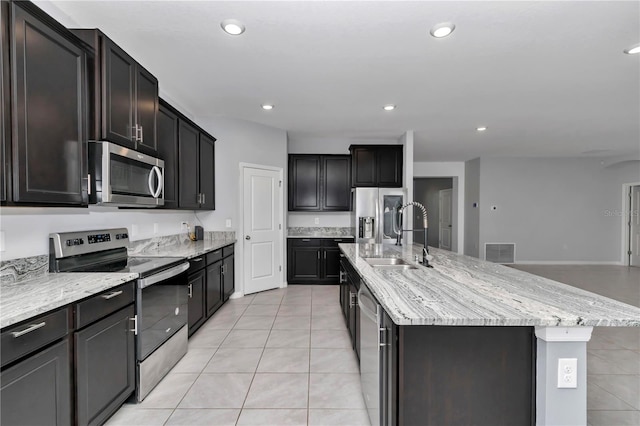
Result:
{"points": [[155, 172]]}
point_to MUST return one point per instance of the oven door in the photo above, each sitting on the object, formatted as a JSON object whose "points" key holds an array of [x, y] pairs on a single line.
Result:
{"points": [[161, 308], [125, 177]]}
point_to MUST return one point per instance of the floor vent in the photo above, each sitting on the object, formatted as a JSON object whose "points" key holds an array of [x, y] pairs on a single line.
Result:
{"points": [[500, 253]]}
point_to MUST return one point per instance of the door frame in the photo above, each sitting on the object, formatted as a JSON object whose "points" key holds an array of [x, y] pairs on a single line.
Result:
{"points": [[239, 265], [626, 231], [440, 218]]}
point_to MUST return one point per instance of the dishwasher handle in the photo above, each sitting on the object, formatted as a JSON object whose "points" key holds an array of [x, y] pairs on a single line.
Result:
{"points": [[365, 302]]}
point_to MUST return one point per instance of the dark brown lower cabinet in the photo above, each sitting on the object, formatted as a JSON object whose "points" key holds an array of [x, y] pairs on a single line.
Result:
{"points": [[197, 314], [37, 390], [228, 278], [314, 260], [105, 367], [214, 287]]}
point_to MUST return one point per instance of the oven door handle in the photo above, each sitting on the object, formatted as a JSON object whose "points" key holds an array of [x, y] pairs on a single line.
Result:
{"points": [[164, 275]]}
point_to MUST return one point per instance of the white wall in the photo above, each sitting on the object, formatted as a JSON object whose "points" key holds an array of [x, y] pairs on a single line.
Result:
{"points": [[472, 208], [455, 170], [239, 141], [26, 229], [554, 209]]}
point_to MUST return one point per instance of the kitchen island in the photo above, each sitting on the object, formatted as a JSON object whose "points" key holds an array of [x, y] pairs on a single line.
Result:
{"points": [[472, 342]]}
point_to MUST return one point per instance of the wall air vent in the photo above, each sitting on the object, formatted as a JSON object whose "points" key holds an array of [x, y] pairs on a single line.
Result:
{"points": [[500, 252]]}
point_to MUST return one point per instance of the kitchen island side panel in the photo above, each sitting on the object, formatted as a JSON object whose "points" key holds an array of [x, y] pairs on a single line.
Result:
{"points": [[466, 375]]}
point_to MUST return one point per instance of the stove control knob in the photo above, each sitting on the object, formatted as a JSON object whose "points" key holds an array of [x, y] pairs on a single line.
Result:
{"points": [[81, 241], [69, 243], [117, 236]]}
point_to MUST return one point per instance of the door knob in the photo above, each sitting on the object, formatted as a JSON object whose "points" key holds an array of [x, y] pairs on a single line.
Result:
{"points": [[248, 237]]}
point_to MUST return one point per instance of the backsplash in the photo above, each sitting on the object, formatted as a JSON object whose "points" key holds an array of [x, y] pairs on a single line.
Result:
{"points": [[26, 268], [324, 231], [142, 246]]}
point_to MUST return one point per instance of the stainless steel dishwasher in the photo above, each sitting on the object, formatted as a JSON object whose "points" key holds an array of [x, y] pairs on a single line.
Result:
{"points": [[370, 352]]}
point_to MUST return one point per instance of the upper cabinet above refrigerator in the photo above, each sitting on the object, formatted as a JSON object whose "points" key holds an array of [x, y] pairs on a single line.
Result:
{"points": [[124, 96], [378, 166]]}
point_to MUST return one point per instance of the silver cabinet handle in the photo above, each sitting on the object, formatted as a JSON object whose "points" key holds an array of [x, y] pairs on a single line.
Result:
{"points": [[190, 291], [222, 269], [112, 295], [352, 302], [342, 276], [29, 329], [318, 254], [325, 255], [135, 324], [204, 197], [141, 135], [134, 136], [306, 239], [382, 331], [337, 239], [199, 259], [248, 237]]}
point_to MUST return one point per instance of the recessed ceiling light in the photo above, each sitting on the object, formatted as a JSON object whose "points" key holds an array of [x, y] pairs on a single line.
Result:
{"points": [[633, 50], [389, 107], [232, 26], [481, 128], [442, 30], [267, 107]]}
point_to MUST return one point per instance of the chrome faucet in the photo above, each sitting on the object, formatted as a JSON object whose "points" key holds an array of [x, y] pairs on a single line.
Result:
{"points": [[425, 250]]}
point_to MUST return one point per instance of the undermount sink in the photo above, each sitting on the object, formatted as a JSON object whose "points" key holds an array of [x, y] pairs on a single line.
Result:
{"points": [[388, 263]]}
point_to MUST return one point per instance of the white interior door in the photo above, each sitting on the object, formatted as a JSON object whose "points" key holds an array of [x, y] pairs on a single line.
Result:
{"points": [[445, 219], [634, 227], [262, 244]]}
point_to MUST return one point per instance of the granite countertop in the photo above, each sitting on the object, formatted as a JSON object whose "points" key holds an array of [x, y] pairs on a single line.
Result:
{"points": [[465, 291], [23, 300], [319, 232], [178, 246]]}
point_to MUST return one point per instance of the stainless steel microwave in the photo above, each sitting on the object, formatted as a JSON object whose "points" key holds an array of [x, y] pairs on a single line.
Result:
{"points": [[123, 177]]}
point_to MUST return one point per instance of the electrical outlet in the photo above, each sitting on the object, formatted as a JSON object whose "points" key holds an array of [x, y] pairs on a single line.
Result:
{"points": [[184, 226], [316, 220], [227, 223], [156, 228], [567, 372]]}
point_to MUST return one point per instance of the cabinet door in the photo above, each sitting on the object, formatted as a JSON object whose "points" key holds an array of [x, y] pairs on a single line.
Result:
{"points": [[5, 106], [118, 96], [146, 111], [363, 167], [304, 265], [336, 183], [105, 366], [331, 262], [389, 165], [354, 319], [49, 114], [37, 390], [207, 172], [229, 280], [196, 300], [214, 287], [188, 166], [304, 183], [344, 292], [168, 151]]}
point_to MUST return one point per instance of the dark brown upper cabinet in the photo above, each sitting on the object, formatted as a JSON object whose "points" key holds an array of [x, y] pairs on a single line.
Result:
{"points": [[376, 165], [168, 151], [47, 155], [124, 96], [196, 167], [319, 182]]}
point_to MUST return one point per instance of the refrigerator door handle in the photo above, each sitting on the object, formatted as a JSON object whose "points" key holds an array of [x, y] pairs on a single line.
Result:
{"points": [[378, 221]]}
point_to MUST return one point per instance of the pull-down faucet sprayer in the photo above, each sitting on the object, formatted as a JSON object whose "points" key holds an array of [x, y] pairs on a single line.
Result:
{"points": [[397, 228]]}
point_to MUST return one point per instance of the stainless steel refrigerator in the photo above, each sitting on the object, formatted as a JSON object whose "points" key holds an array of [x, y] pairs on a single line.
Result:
{"points": [[374, 212]]}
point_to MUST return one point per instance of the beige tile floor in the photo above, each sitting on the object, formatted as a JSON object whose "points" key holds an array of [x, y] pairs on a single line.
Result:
{"points": [[281, 357], [613, 354]]}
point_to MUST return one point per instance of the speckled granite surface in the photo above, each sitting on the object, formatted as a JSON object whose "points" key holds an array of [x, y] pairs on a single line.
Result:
{"points": [[22, 300], [462, 290], [319, 232], [180, 245], [24, 269]]}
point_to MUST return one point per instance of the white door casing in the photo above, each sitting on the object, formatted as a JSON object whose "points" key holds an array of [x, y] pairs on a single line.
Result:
{"points": [[634, 226], [262, 212], [445, 220]]}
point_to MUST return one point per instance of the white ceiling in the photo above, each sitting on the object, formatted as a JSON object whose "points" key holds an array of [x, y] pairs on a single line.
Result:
{"points": [[547, 78]]}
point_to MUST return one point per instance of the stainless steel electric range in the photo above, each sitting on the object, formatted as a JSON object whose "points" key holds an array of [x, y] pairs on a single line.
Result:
{"points": [[160, 322]]}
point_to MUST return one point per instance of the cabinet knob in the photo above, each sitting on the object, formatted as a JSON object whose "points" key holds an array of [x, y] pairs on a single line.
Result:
{"points": [[248, 237]]}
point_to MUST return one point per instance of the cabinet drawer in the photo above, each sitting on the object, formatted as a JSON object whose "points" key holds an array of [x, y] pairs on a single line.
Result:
{"points": [[214, 256], [333, 242], [305, 242], [103, 304], [227, 251], [197, 263], [19, 340]]}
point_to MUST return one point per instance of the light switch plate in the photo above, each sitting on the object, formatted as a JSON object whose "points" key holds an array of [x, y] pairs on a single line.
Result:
{"points": [[227, 223], [316, 220]]}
